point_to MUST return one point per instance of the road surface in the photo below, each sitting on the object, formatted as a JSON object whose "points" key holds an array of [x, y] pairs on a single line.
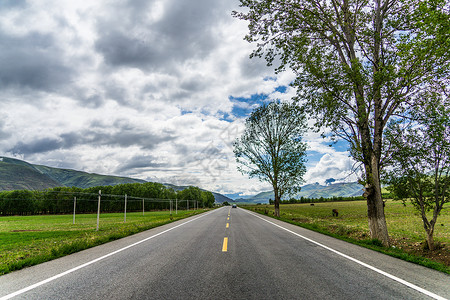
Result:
{"points": [[228, 253]]}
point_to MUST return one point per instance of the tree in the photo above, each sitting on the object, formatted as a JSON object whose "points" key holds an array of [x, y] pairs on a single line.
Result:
{"points": [[421, 162], [271, 148], [357, 63]]}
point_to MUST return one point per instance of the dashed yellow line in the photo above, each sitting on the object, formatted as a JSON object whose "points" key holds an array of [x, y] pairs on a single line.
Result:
{"points": [[225, 239], [225, 244]]}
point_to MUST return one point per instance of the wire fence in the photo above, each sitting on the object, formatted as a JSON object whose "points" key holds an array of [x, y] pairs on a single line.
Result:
{"points": [[63, 202]]}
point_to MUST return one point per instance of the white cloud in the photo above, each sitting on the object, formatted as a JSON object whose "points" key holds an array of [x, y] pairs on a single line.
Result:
{"points": [[335, 165], [135, 88]]}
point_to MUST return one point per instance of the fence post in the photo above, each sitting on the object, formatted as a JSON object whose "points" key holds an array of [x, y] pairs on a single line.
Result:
{"points": [[187, 206], [98, 209], [74, 208], [143, 206], [170, 207], [125, 214], [176, 206]]}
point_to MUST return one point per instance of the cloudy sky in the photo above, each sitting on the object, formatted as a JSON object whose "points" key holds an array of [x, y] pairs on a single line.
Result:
{"points": [[156, 90]]}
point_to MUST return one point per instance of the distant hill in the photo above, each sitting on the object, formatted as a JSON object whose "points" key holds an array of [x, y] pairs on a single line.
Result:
{"points": [[16, 174], [351, 189]]}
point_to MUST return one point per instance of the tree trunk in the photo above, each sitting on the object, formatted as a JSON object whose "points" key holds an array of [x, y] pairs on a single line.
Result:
{"points": [[429, 226], [375, 210], [430, 240], [277, 203]]}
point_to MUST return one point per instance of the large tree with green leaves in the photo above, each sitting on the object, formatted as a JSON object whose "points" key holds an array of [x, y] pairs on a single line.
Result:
{"points": [[271, 148], [358, 63], [420, 169]]}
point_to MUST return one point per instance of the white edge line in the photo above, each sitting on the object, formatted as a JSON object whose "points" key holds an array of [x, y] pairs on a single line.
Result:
{"points": [[404, 282], [31, 287]]}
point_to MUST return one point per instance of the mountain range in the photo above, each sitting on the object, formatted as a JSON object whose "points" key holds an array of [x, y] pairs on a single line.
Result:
{"points": [[315, 190], [17, 174]]}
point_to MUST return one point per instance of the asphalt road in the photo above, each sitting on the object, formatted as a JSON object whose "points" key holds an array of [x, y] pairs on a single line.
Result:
{"points": [[253, 257]]}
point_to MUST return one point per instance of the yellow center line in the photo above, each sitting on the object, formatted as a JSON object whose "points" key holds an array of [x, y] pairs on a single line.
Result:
{"points": [[228, 225], [225, 244], [228, 218]]}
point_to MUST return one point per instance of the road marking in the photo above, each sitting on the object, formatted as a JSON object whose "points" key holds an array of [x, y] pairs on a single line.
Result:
{"points": [[228, 218], [404, 282], [31, 287], [225, 244], [228, 225]]}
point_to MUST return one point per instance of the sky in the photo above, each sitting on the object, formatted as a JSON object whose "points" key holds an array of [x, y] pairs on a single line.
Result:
{"points": [[155, 90]]}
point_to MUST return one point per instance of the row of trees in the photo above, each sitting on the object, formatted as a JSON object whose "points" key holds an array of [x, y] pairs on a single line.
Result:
{"points": [[317, 200], [60, 200], [360, 66]]}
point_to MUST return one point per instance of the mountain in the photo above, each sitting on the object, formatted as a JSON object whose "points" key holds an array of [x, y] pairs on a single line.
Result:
{"points": [[16, 174], [315, 190], [19, 175], [83, 180]]}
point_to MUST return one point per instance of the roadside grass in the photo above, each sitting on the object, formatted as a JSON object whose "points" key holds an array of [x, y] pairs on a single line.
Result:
{"points": [[404, 225], [30, 240]]}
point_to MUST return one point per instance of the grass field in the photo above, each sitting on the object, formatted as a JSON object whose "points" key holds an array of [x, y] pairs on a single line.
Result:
{"points": [[29, 240], [404, 225]]}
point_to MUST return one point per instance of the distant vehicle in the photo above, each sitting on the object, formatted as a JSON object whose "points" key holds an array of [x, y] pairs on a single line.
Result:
{"points": [[234, 206]]}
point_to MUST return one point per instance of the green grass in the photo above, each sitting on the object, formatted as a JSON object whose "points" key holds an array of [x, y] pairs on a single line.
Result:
{"points": [[404, 226], [30, 240]]}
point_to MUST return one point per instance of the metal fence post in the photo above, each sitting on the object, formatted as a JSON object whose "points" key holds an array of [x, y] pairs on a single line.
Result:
{"points": [[125, 214], [98, 209], [74, 208]]}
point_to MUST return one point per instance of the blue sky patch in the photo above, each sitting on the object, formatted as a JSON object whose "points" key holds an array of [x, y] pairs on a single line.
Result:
{"points": [[242, 107], [282, 89]]}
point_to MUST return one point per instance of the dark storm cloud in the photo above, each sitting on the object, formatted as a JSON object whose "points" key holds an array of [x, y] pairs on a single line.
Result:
{"points": [[147, 162], [32, 61], [186, 30], [36, 146], [120, 138]]}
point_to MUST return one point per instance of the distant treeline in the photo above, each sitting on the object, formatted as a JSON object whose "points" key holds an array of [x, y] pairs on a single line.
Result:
{"points": [[317, 200], [60, 200]]}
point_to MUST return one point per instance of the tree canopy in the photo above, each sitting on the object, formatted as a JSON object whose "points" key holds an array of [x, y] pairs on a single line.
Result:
{"points": [[271, 148], [358, 63], [420, 158]]}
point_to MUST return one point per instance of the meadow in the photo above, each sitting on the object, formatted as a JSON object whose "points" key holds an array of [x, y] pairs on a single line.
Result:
{"points": [[30, 240], [404, 225]]}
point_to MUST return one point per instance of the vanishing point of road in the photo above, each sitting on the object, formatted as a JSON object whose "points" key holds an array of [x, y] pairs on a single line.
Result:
{"points": [[228, 253]]}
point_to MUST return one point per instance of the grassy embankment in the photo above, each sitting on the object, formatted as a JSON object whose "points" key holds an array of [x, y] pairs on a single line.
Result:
{"points": [[404, 225], [30, 240]]}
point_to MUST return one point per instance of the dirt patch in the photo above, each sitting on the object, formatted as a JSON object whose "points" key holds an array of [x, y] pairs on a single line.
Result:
{"points": [[440, 254]]}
